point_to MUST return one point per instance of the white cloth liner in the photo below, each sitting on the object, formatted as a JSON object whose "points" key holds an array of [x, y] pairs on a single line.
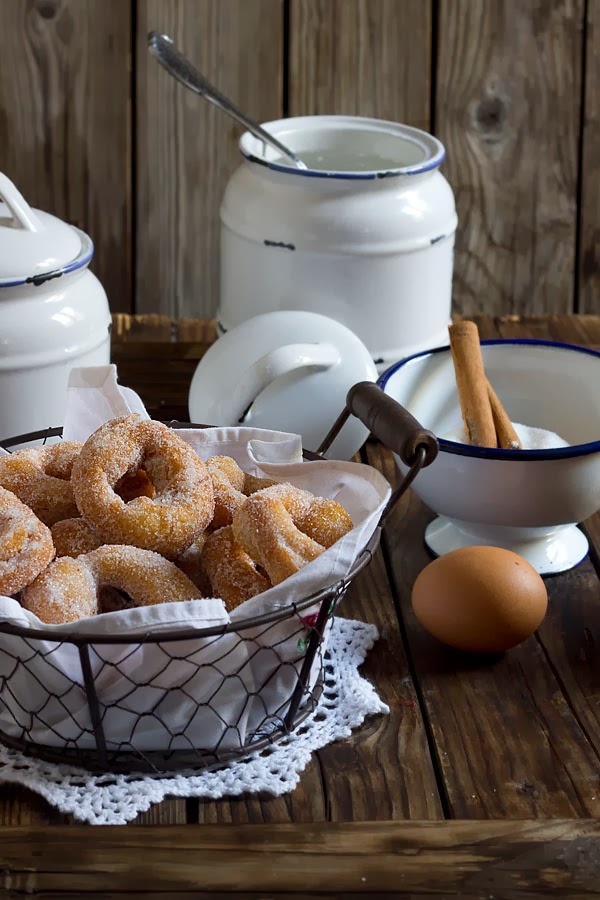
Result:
{"points": [[179, 687], [117, 799]]}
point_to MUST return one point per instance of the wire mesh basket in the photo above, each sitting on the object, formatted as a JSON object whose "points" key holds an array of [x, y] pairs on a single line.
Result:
{"points": [[186, 698]]}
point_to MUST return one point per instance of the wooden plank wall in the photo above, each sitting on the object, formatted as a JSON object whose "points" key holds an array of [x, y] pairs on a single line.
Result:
{"points": [[92, 129]]}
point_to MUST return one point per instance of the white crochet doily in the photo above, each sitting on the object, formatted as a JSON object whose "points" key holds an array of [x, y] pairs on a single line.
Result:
{"points": [[346, 700]]}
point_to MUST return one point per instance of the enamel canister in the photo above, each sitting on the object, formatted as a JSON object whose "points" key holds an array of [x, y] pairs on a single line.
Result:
{"points": [[364, 235], [54, 314]]}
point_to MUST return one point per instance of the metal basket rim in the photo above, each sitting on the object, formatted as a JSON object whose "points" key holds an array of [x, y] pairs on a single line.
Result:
{"points": [[181, 634], [186, 634]]}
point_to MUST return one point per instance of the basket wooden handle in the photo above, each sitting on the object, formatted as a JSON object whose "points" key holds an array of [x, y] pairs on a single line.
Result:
{"points": [[390, 422]]}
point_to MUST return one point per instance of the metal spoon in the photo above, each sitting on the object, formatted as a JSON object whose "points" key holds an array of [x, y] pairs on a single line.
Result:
{"points": [[162, 47]]}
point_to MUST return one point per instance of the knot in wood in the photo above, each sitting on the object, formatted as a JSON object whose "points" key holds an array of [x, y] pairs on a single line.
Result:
{"points": [[490, 116], [529, 789], [46, 9], [591, 258]]}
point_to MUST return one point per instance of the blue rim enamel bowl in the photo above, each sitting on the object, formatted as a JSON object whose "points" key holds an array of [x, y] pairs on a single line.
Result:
{"points": [[529, 500]]}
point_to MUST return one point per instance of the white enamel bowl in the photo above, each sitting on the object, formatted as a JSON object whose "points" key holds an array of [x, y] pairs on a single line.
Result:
{"points": [[529, 501]]}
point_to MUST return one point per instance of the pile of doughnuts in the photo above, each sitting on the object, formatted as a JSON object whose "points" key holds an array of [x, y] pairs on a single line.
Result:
{"points": [[134, 517]]}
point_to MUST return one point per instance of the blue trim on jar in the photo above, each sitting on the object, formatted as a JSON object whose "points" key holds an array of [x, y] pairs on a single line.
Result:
{"points": [[81, 260], [432, 163], [459, 449]]}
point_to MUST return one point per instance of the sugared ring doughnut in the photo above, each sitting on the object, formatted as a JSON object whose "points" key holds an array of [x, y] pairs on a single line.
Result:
{"points": [[184, 501], [232, 573], [40, 477], [68, 590], [283, 528], [323, 520], [26, 546], [264, 527], [72, 537]]}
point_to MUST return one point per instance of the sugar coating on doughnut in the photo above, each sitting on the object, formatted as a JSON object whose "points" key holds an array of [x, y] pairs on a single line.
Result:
{"points": [[184, 502], [323, 520], [232, 572], [283, 528], [40, 477], [231, 486], [69, 589], [264, 528], [146, 576], [296, 500], [25, 544], [228, 483], [72, 537], [64, 592]]}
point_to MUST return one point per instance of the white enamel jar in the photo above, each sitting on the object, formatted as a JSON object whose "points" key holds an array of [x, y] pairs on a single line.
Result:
{"points": [[54, 314], [364, 236]]}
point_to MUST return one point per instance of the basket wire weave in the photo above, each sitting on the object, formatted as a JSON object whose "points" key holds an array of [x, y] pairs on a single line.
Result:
{"points": [[294, 639]]}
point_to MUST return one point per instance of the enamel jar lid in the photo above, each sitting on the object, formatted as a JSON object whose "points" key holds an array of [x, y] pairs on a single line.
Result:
{"points": [[54, 314], [34, 244], [287, 371]]}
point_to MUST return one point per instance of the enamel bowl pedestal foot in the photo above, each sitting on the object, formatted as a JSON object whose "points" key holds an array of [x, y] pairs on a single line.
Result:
{"points": [[548, 552]]}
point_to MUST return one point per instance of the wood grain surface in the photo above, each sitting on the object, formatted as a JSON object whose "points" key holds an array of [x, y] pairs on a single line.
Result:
{"points": [[527, 859], [187, 149], [508, 107], [589, 238], [355, 57], [65, 127], [532, 713], [384, 771], [507, 712], [508, 738], [93, 130]]}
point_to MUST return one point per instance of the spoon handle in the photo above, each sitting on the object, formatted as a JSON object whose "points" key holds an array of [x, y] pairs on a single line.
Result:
{"points": [[163, 48]]}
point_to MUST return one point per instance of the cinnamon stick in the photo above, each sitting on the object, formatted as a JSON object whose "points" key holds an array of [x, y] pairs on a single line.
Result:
{"points": [[472, 384], [505, 433]]}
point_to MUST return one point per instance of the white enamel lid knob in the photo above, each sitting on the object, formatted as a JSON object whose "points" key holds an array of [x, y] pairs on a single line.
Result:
{"points": [[31, 242], [288, 371]]}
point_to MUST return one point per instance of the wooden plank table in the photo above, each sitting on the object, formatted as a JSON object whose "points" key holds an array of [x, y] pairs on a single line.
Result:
{"points": [[484, 779]]}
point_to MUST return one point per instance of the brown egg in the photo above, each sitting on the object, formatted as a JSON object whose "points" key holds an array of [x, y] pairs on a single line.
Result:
{"points": [[480, 599]]}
